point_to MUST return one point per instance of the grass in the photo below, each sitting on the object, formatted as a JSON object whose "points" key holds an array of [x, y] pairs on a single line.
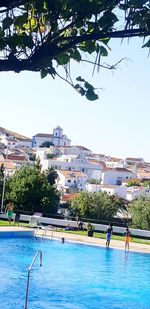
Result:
{"points": [[115, 237], [84, 233], [6, 223]]}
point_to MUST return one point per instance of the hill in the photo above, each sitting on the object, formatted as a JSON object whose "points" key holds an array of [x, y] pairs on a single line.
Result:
{"points": [[16, 135]]}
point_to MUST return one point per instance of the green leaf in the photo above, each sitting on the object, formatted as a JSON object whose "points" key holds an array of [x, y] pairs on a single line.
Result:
{"points": [[91, 95], [88, 46], [2, 43], [88, 86], [7, 22], [75, 55], [82, 91], [20, 20], [62, 59], [103, 51], [77, 86], [27, 40], [44, 73], [147, 44], [80, 79]]}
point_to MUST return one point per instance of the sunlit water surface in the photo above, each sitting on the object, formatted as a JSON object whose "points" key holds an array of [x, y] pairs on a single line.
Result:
{"points": [[73, 276]]}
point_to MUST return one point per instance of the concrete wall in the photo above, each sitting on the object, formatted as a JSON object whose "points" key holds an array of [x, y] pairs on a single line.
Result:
{"points": [[98, 227]]}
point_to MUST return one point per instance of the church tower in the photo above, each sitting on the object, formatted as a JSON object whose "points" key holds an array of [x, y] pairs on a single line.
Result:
{"points": [[57, 136]]}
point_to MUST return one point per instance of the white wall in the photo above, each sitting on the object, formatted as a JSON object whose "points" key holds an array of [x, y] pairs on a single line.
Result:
{"points": [[37, 141], [112, 190], [111, 177], [78, 182], [25, 143], [84, 167]]}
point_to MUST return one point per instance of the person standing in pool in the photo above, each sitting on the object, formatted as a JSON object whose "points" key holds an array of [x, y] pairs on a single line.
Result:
{"points": [[127, 239], [109, 231], [9, 210]]}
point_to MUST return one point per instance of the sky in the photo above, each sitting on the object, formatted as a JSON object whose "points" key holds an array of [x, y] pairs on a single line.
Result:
{"points": [[118, 124]]}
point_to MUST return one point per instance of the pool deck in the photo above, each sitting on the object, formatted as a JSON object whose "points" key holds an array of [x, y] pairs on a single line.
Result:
{"points": [[116, 244]]}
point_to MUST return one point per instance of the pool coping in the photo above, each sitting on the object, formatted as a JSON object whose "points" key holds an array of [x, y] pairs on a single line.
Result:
{"points": [[50, 234], [115, 244]]}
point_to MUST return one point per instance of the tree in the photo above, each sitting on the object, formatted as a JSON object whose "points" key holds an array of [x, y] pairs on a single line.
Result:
{"points": [[46, 144], [94, 181], [133, 183], [96, 205], [140, 213], [30, 191], [145, 183], [43, 35], [51, 175], [2, 171]]}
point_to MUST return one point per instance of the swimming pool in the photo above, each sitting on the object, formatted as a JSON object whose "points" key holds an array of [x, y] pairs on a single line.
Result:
{"points": [[73, 276]]}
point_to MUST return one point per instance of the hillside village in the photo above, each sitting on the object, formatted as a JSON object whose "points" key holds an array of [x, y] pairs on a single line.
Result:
{"points": [[78, 168]]}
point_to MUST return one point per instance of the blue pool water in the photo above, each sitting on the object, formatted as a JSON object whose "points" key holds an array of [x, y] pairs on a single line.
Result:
{"points": [[72, 276]]}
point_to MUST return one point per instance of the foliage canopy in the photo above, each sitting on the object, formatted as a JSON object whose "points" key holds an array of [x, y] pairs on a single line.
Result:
{"points": [[96, 205], [43, 35], [140, 213], [30, 190]]}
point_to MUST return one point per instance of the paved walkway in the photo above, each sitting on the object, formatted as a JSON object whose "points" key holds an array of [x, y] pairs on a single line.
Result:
{"points": [[116, 244]]}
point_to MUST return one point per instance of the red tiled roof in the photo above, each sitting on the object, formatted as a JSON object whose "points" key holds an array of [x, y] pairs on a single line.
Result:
{"points": [[82, 148], [72, 174], [16, 158], [118, 169], [69, 196], [134, 159], [114, 159]]}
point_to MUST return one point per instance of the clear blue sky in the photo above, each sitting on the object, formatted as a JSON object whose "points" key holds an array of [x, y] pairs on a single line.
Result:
{"points": [[117, 124]]}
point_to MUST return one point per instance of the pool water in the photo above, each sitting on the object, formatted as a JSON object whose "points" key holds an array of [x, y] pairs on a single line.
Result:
{"points": [[73, 276]]}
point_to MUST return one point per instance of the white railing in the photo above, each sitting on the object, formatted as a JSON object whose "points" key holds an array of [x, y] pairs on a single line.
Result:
{"points": [[29, 271]]}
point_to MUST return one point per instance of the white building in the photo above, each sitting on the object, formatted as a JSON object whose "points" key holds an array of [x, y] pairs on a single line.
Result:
{"points": [[9, 141], [57, 138], [115, 176], [25, 143], [69, 181], [70, 163], [143, 174], [100, 157], [14, 140], [134, 161], [114, 163], [78, 150], [109, 189], [136, 192]]}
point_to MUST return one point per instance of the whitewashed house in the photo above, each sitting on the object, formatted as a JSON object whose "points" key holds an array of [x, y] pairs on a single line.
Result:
{"points": [[78, 150], [25, 143], [10, 141], [109, 189], [115, 163], [72, 163], [143, 173], [136, 192], [71, 181], [115, 176], [100, 157], [134, 161]]}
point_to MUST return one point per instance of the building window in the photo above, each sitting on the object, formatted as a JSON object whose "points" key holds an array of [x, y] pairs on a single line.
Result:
{"points": [[74, 181], [68, 180]]}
